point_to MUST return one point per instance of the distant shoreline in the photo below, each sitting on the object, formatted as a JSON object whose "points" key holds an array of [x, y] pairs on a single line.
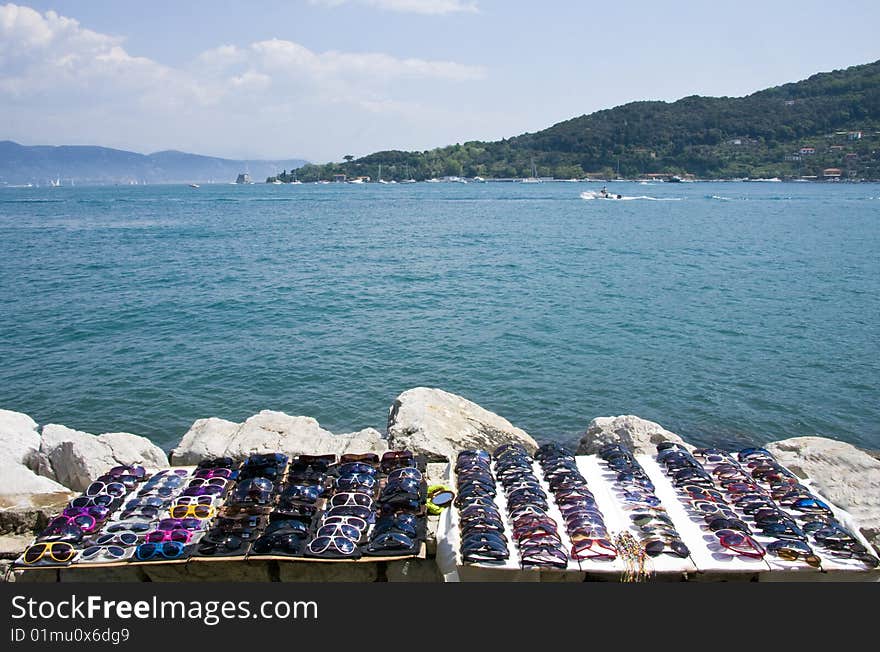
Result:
{"points": [[86, 184]]}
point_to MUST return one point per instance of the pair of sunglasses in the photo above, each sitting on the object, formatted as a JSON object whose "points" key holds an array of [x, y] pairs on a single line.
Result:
{"points": [[57, 551], [165, 550], [288, 543], [104, 552]]}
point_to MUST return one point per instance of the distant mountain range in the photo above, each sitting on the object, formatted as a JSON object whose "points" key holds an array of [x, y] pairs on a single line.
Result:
{"points": [[86, 165]]}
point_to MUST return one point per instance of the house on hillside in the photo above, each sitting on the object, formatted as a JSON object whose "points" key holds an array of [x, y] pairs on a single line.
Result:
{"points": [[832, 173], [854, 135], [807, 151]]}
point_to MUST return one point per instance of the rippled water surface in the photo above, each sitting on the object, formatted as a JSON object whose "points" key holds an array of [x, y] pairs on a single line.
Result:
{"points": [[734, 313]]}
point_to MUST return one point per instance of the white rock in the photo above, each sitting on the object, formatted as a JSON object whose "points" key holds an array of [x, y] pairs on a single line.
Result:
{"points": [[206, 438], [75, 458], [639, 435], [23, 493], [270, 432], [23, 490], [439, 424], [18, 437], [844, 474], [368, 440]]}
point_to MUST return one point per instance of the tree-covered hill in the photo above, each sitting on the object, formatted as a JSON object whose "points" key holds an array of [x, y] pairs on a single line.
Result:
{"points": [[831, 120]]}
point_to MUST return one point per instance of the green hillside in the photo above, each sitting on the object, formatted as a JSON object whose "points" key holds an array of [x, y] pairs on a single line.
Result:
{"points": [[831, 120]]}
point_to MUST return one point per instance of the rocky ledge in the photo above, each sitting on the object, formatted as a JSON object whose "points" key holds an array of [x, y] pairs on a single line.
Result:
{"points": [[42, 467]]}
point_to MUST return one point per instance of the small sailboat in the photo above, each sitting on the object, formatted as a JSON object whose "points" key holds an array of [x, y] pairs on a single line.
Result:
{"points": [[379, 176], [534, 178]]}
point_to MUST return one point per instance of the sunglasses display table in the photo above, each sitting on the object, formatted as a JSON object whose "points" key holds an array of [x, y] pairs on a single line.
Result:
{"points": [[707, 558], [711, 557], [188, 550]]}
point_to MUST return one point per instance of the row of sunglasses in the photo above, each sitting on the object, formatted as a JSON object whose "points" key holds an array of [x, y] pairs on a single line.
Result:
{"points": [[537, 539], [748, 494], [635, 493], [481, 525], [537, 535], [128, 514], [583, 520]]}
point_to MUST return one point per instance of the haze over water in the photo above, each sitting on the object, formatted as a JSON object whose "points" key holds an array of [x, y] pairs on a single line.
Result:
{"points": [[735, 313]]}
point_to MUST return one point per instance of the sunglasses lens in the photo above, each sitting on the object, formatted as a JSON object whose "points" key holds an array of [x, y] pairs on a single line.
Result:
{"points": [[91, 551], [145, 551], [62, 551], [128, 538], [33, 553]]}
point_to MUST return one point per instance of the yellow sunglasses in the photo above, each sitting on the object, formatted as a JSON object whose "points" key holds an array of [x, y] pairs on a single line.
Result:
{"points": [[59, 551], [198, 511]]}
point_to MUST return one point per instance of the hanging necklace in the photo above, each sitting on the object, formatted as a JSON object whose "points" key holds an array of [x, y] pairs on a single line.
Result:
{"points": [[633, 555]]}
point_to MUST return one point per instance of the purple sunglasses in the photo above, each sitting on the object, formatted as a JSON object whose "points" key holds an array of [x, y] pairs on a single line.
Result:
{"points": [[206, 490], [57, 525], [180, 524], [97, 512]]}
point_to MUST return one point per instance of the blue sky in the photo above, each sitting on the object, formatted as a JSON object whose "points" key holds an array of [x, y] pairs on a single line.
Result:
{"points": [[323, 78]]}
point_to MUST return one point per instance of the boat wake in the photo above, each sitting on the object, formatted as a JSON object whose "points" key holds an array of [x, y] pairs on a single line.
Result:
{"points": [[590, 195]]}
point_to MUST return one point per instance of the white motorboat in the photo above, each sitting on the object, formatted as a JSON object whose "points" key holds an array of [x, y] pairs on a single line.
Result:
{"points": [[600, 194]]}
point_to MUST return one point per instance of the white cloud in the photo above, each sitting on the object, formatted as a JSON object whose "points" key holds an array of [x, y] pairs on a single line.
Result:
{"points": [[294, 59], [427, 7], [61, 82]]}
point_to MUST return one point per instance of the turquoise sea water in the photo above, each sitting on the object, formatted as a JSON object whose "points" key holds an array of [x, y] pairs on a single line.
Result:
{"points": [[732, 313]]}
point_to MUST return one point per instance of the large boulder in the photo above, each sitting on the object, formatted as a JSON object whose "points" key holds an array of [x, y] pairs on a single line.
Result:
{"points": [[19, 437], [438, 425], [639, 435], [270, 432], [75, 458], [206, 438], [845, 475], [26, 498]]}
